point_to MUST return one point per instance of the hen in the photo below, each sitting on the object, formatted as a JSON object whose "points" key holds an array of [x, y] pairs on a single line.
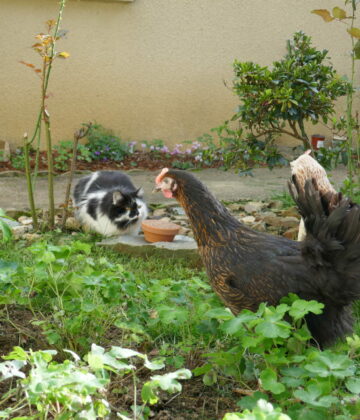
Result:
{"points": [[246, 267]]}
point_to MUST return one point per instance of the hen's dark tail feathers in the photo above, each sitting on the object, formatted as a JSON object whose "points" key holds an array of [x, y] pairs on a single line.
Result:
{"points": [[332, 242]]}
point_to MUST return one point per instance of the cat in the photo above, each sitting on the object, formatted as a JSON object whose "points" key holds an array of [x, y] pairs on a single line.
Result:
{"points": [[107, 202]]}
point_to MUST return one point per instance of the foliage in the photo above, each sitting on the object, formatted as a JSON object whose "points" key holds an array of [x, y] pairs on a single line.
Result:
{"points": [[235, 150], [300, 87], [80, 301], [351, 121], [64, 153], [17, 159], [103, 145], [262, 411], [270, 348], [79, 294], [75, 388]]}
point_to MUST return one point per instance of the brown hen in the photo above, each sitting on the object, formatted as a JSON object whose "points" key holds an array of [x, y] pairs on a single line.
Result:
{"points": [[246, 267]]}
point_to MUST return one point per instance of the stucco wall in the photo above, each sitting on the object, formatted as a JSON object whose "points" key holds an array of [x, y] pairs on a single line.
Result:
{"points": [[149, 68]]}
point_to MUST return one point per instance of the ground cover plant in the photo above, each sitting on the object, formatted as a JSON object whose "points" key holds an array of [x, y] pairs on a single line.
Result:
{"points": [[64, 294]]}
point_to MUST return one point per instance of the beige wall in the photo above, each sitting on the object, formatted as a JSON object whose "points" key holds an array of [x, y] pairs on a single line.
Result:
{"points": [[151, 68]]}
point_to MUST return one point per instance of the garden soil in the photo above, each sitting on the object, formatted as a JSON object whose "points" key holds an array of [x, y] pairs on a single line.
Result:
{"points": [[227, 186]]}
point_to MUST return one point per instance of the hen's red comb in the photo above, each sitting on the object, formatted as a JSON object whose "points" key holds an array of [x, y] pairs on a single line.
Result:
{"points": [[161, 175]]}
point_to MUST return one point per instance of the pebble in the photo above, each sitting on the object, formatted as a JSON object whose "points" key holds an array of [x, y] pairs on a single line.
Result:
{"points": [[24, 220]]}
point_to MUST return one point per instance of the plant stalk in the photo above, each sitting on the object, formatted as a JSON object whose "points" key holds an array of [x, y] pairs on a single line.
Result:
{"points": [[29, 182]]}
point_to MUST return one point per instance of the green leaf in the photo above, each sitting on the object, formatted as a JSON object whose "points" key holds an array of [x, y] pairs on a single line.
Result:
{"points": [[269, 381], [148, 395], [339, 13], [6, 231], [235, 326], [273, 329], [219, 313], [353, 385], [312, 396], [354, 32], [17, 353], [324, 13], [300, 308], [210, 378]]}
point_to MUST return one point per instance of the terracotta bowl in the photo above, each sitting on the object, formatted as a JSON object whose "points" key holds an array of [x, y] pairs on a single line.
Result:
{"points": [[159, 231]]}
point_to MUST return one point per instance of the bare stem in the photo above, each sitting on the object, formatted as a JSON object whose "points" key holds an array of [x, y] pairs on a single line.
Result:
{"points": [[77, 136], [29, 182]]}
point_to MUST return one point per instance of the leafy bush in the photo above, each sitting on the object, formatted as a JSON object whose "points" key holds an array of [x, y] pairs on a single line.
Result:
{"points": [[64, 153], [300, 87], [103, 145]]}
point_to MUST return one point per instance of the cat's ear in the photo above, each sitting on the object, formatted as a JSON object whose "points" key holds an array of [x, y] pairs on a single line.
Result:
{"points": [[140, 192], [117, 196]]}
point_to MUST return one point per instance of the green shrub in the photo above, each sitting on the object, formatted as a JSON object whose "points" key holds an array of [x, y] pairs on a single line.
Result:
{"points": [[103, 145], [300, 87]]}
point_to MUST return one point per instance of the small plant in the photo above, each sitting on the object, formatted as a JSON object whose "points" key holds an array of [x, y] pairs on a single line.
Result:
{"points": [[65, 151], [17, 159], [271, 350], [103, 145], [76, 388]]}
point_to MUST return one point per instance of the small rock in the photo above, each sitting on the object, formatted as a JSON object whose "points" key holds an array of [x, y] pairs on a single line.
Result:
{"points": [[253, 207], [285, 222], [178, 210], [24, 220], [10, 223], [289, 222], [275, 204], [181, 218], [291, 233], [184, 230], [234, 207], [72, 223], [291, 212], [159, 212], [259, 226], [31, 236], [19, 231], [248, 220]]}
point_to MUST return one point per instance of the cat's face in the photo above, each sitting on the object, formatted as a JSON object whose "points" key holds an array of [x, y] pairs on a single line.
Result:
{"points": [[127, 208]]}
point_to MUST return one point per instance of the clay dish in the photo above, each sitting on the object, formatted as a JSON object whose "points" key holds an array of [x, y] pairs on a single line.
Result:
{"points": [[159, 231]]}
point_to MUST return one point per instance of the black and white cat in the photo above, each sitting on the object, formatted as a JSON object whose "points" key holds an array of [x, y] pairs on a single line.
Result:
{"points": [[107, 202]]}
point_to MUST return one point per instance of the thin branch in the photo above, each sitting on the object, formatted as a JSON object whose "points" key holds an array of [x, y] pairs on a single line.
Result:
{"points": [[77, 136]]}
